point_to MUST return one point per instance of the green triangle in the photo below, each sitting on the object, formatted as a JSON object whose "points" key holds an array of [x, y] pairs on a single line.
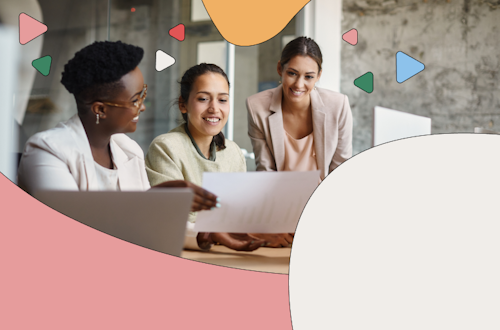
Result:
{"points": [[43, 64], [365, 82]]}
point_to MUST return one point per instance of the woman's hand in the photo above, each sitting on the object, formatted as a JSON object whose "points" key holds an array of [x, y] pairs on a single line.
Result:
{"points": [[203, 200], [275, 240], [238, 242]]}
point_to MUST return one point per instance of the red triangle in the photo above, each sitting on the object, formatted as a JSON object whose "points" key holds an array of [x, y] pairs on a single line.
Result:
{"points": [[178, 32], [29, 28]]}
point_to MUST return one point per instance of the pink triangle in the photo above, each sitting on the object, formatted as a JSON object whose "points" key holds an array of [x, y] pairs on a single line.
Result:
{"points": [[29, 28], [351, 36], [178, 32]]}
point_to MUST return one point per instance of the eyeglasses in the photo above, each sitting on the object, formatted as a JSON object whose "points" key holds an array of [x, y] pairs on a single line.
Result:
{"points": [[137, 104]]}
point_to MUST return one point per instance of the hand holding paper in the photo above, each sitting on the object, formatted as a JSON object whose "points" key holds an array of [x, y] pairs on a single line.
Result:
{"points": [[257, 202]]}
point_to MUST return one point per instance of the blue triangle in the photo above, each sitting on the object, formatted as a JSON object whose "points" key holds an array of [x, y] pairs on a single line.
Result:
{"points": [[407, 67]]}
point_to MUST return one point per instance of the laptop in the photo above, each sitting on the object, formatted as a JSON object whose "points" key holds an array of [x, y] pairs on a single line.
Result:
{"points": [[155, 219], [482, 130], [390, 125]]}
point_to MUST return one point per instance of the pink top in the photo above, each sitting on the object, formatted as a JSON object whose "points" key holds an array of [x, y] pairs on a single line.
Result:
{"points": [[300, 154]]}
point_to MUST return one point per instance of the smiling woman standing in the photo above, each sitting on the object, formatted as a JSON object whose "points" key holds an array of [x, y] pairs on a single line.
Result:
{"points": [[298, 126], [90, 151]]}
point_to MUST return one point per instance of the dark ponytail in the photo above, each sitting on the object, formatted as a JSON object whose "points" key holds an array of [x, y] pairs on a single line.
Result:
{"points": [[302, 46], [187, 82]]}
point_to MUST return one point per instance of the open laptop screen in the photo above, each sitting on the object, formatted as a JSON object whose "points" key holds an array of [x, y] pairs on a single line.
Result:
{"points": [[155, 219]]}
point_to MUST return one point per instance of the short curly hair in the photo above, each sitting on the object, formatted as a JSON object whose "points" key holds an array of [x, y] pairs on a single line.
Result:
{"points": [[95, 71]]}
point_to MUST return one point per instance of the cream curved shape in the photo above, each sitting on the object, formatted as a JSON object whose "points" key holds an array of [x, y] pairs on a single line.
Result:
{"points": [[9, 15]]}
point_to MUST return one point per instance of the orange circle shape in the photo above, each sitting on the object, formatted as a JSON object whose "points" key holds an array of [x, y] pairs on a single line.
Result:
{"points": [[251, 22]]}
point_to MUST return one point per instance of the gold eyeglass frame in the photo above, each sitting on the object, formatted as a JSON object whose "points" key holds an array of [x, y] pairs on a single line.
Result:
{"points": [[136, 104]]}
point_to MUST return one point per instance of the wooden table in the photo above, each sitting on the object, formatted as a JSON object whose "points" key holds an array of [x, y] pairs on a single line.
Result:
{"points": [[271, 260]]}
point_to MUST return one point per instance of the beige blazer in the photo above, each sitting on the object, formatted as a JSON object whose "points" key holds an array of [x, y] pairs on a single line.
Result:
{"points": [[332, 129], [61, 159]]}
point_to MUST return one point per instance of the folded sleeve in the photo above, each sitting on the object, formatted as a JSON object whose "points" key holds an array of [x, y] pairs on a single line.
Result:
{"points": [[41, 169], [264, 160], [344, 145], [160, 165]]}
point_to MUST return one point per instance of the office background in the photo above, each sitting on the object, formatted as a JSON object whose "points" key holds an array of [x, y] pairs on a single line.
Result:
{"points": [[456, 40]]}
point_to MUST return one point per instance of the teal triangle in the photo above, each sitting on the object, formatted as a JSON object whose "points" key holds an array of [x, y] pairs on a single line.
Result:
{"points": [[43, 64], [365, 82]]}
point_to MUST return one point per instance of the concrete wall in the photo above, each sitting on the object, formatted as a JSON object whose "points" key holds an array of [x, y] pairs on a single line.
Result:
{"points": [[459, 43]]}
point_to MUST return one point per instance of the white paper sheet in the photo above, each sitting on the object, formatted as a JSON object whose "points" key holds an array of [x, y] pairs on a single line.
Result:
{"points": [[257, 202]]}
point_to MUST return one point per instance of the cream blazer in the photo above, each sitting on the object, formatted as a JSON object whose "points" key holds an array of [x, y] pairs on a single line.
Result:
{"points": [[61, 159], [332, 129], [172, 156]]}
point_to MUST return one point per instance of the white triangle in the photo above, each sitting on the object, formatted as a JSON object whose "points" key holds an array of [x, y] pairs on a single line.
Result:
{"points": [[163, 60]]}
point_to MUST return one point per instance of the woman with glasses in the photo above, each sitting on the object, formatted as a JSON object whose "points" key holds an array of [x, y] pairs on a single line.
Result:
{"points": [[90, 151]]}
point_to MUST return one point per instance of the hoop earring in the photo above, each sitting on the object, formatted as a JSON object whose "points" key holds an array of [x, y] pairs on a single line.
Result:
{"points": [[97, 121]]}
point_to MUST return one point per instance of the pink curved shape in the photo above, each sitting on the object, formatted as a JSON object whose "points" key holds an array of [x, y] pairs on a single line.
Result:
{"points": [[60, 274]]}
